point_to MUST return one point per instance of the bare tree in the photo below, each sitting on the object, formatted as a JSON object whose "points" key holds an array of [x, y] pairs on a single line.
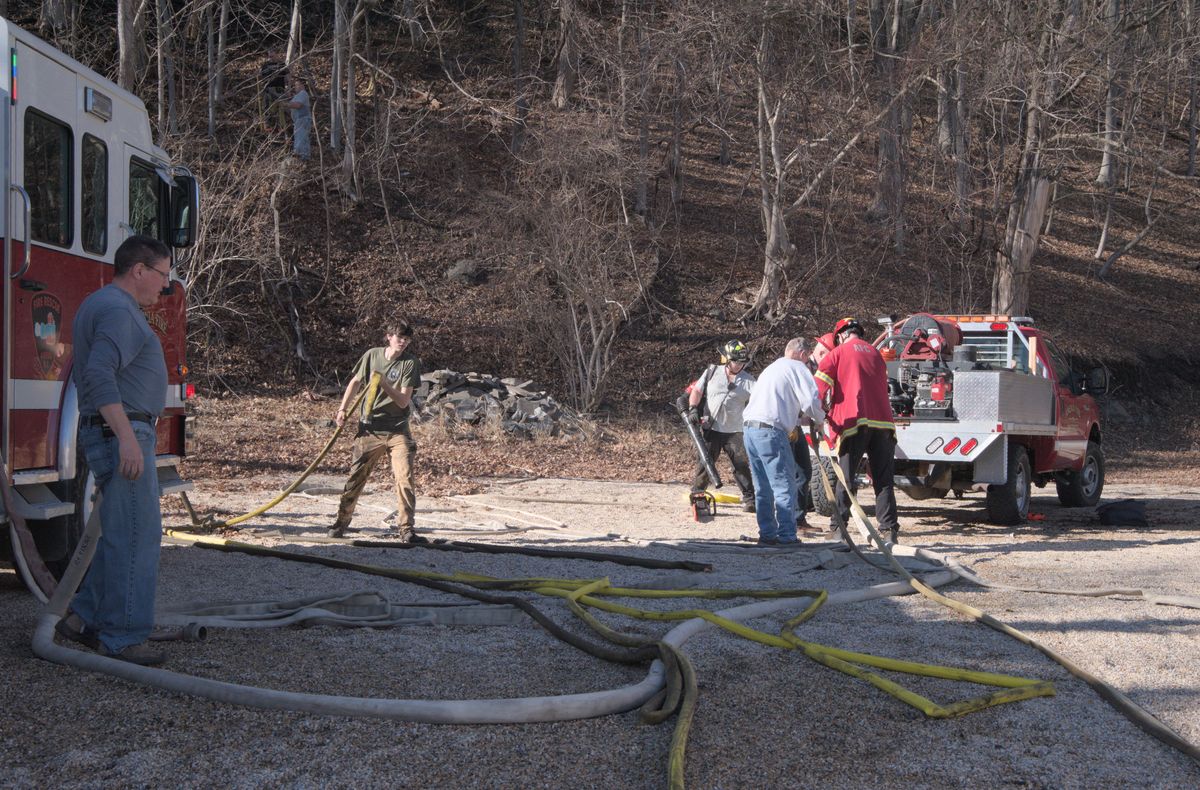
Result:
{"points": [[1113, 57], [294, 33], [168, 120], [893, 25], [416, 34], [518, 76], [1031, 186], [778, 250], [127, 42], [568, 55], [337, 101]]}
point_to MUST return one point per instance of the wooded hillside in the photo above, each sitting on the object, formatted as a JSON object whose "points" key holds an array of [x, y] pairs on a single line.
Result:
{"points": [[598, 193]]}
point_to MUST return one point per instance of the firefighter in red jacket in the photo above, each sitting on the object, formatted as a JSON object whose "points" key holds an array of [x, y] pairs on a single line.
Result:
{"points": [[852, 379]]}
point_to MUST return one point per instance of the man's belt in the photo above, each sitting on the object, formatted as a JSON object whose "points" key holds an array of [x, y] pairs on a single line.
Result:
{"points": [[759, 424], [94, 420], [384, 423]]}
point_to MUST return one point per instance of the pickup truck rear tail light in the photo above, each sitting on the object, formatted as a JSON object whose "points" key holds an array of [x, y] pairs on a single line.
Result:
{"points": [[970, 445], [952, 445]]}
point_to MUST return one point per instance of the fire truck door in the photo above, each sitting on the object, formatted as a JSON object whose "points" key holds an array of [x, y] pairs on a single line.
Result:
{"points": [[1070, 443]]}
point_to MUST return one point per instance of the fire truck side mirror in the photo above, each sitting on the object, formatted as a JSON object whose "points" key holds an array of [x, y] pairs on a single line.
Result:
{"points": [[185, 211], [1097, 381]]}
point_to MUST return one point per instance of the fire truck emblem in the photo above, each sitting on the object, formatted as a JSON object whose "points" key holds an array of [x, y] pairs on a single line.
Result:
{"points": [[158, 321], [47, 334]]}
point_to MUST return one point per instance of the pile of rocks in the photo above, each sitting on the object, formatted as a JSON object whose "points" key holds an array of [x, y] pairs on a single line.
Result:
{"points": [[520, 408]]}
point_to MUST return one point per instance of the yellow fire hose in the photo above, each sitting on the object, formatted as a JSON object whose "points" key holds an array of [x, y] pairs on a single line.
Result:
{"points": [[681, 693], [1127, 707], [211, 522]]}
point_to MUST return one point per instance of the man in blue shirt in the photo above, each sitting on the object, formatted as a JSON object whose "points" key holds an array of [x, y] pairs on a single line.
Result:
{"points": [[121, 377]]}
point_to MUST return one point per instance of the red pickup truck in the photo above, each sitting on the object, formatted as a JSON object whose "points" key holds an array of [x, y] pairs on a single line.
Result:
{"points": [[989, 403]]}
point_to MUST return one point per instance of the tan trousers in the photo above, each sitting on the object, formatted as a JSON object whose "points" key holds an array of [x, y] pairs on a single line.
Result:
{"points": [[369, 448]]}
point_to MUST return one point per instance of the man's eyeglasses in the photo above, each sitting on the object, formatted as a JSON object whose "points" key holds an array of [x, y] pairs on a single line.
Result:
{"points": [[165, 275]]}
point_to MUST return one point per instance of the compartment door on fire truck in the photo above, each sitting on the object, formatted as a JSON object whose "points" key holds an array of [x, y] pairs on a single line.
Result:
{"points": [[44, 295]]}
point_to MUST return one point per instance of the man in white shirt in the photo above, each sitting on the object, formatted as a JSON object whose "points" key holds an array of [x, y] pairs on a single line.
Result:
{"points": [[724, 390], [783, 393]]}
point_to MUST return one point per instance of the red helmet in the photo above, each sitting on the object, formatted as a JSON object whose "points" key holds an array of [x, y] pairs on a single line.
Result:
{"points": [[845, 324], [829, 340]]}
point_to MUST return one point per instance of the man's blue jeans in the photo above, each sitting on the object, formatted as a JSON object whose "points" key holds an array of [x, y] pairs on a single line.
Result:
{"points": [[774, 471], [117, 595]]}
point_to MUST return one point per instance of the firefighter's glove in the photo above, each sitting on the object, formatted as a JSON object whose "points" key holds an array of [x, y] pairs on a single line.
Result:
{"points": [[793, 435], [693, 414]]}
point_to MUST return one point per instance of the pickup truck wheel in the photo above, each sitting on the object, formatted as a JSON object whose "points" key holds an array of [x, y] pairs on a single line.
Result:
{"points": [[822, 504], [1083, 488], [1008, 503]]}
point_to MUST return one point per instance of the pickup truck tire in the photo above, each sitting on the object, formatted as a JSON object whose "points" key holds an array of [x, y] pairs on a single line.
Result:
{"points": [[1008, 503], [822, 505], [1083, 488]]}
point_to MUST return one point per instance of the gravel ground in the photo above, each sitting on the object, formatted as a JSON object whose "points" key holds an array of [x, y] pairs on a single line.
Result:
{"points": [[766, 717]]}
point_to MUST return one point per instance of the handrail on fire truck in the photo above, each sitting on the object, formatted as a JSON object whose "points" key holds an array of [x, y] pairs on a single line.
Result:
{"points": [[20, 190]]}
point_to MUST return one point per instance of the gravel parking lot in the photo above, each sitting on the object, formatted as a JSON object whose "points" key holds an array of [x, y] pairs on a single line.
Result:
{"points": [[766, 717]]}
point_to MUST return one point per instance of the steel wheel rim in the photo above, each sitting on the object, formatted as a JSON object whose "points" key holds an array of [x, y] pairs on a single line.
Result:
{"points": [[1089, 476]]}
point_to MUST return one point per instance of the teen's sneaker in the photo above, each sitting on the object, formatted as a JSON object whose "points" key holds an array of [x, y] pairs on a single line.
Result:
{"points": [[337, 531], [143, 655], [748, 505], [768, 542], [74, 629]]}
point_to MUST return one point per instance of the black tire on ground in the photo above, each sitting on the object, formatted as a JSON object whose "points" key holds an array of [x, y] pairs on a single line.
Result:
{"points": [[1008, 503], [1083, 488], [822, 504]]}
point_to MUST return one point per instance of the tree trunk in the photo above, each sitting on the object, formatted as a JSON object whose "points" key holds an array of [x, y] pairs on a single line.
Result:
{"points": [[160, 57], [1113, 62], [408, 11], [57, 18], [518, 67], [892, 25], [1193, 71], [778, 251], [946, 109], [568, 56], [222, 51], [126, 46], [294, 31], [1010, 287], [962, 164], [210, 45], [675, 160], [1031, 190], [341, 24], [349, 162], [641, 205]]}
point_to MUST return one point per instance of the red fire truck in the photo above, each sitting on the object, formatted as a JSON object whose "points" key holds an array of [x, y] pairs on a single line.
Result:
{"points": [[80, 174], [989, 403]]}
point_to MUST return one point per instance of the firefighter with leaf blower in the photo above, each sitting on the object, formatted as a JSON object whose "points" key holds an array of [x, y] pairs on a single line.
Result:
{"points": [[715, 402]]}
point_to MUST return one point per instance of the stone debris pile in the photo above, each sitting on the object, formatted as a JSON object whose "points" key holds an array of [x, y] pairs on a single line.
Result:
{"points": [[519, 408]]}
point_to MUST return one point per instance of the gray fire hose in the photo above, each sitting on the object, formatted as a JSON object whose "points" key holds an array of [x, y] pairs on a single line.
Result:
{"points": [[485, 711]]}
